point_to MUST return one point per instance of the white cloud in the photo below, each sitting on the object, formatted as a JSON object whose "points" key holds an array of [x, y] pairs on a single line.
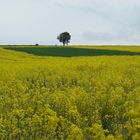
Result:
{"points": [[89, 21]]}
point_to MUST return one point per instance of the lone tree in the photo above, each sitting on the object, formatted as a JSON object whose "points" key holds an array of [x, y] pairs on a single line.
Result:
{"points": [[64, 38]]}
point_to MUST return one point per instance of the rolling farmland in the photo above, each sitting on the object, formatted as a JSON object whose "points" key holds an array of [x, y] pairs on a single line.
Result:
{"points": [[70, 93]]}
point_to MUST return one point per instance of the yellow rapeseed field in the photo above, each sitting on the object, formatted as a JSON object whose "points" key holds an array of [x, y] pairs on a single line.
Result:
{"points": [[70, 98]]}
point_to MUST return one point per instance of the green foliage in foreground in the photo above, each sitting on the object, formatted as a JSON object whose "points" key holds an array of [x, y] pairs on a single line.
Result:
{"points": [[79, 98]]}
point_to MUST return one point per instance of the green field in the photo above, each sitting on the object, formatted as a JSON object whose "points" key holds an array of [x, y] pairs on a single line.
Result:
{"points": [[70, 93], [74, 51]]}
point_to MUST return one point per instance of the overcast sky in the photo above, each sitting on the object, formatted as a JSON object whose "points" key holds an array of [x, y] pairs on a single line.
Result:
{"points": [[88, 21]]}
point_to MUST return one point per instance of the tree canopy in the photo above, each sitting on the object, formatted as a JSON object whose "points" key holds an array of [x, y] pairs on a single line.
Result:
{"points": [[64, 38]]}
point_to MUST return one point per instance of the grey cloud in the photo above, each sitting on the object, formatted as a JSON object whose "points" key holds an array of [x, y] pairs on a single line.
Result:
{"points": [[108, 37]]}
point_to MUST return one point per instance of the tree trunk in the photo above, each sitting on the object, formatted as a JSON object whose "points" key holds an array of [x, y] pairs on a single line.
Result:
{"points": [[63, 43]]}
